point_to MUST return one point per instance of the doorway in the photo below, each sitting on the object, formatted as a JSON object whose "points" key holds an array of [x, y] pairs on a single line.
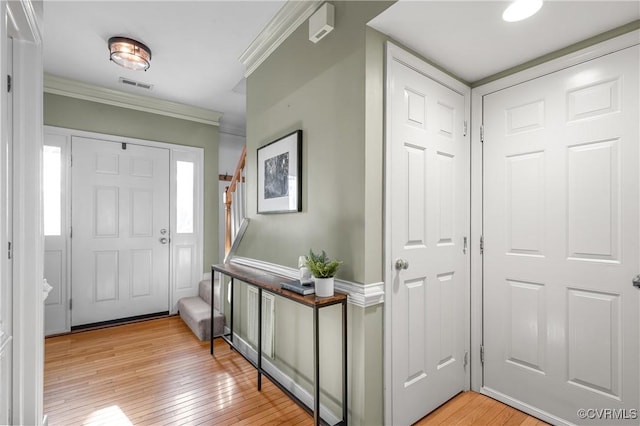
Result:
{"points": [[137, 234]]}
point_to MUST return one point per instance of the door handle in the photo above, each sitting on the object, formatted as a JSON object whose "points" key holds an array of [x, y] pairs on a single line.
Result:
{"points": [[164, 240], [401, 264], [636, 281]]}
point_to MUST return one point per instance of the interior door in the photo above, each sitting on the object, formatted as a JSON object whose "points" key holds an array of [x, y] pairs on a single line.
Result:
{"points": [[429, 198], [120, 230], [561, 182]]}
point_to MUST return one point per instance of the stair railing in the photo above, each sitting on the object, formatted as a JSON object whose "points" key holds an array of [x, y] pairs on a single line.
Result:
{"points": [[234, 204]]}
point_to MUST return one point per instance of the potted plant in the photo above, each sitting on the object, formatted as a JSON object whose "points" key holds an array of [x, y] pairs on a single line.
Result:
{"points": [[323, 270]]}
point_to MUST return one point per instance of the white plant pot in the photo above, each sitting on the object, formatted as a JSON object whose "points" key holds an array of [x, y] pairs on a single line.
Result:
{"points": [[324, 287]]}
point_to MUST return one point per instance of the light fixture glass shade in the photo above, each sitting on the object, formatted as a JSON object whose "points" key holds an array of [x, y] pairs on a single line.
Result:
{"points": [[521, 9], [129, 53]]}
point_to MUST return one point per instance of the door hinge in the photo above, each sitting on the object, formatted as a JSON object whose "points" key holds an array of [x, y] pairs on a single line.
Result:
{"points": [[482, 354], [464, 245], [481, 244], [71, 232], [9, 83], [10, 250], [464, 129], [481, 133], [465, 361], [70, 304]]}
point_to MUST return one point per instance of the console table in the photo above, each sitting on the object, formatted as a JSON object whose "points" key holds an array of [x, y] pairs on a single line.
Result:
{"points": [[266, 281]]}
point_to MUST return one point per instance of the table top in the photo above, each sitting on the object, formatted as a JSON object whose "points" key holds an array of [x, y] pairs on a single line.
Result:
{"points": [[272, 283]]}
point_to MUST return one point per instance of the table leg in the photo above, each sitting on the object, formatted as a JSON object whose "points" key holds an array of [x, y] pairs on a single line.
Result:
{"points": [[231, 313], [259, 338], [211, 324], [316, 366], [344, 364]]}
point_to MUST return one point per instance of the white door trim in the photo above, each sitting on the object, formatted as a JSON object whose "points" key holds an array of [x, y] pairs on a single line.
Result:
{"points": [[177, 153], [477, 94], [397, 54], [28, 255]]}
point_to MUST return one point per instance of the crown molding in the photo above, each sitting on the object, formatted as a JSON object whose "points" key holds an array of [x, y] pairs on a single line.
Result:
{"points": [[89, 92], [285, 22], [362, 295]]}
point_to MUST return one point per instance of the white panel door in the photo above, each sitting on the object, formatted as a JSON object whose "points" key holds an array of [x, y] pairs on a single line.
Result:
{"points": [[120, 230], [429, 217], [561, 240]]}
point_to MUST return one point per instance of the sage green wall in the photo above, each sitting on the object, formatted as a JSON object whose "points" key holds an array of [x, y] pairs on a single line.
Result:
{"points": [[319, 88], [63, 111]]}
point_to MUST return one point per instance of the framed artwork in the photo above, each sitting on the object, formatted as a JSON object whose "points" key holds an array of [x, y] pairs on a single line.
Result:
{"points": [[280, 175]]}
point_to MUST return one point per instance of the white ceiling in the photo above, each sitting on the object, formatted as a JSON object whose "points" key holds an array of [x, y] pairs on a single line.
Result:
{"points": [[469, 38], [195, 47], [196, 44]]}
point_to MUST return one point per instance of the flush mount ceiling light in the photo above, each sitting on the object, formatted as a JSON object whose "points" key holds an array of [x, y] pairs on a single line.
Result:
{"points": [[521, 9], [129, 53]]}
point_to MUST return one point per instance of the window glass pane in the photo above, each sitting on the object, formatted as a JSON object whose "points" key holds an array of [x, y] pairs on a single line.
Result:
{"points": [[52, 185], [184, 197]]}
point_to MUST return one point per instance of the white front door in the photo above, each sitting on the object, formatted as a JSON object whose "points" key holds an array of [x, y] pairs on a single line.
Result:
{"points": [[120, 230], [561, 194], [428, 168]]}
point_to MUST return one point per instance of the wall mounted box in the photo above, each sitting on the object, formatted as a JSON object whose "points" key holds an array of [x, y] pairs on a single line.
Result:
{"points": [[321, 22]]}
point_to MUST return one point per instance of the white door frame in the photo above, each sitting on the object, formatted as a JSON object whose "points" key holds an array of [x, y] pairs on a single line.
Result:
{"points": [[584, 55], [177, 289], [24, 25], [397, 54]]}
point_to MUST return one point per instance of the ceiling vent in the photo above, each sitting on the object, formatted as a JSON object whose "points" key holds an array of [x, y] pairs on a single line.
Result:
{"points": [[132, 83]]}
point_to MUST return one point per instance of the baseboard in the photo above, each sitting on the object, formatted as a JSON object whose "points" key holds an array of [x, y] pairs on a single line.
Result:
{"points": [[285, 381], [526, 408]]}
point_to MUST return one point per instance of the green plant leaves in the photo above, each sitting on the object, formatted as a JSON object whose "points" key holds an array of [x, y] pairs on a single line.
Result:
{"points": [[321, 266]]}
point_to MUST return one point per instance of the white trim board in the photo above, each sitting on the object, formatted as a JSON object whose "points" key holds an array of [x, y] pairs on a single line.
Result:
{"points": [[601, 49], [526, 408], [89, 92], [361, 295], [285, 22]]}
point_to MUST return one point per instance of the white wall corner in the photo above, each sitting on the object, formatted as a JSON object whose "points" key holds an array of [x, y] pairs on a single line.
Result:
{"points": [[361, 295], [285, 22], [89, 92]]}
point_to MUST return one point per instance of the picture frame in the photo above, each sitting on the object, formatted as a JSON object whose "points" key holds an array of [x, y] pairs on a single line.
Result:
{"points": [[280, 175]]}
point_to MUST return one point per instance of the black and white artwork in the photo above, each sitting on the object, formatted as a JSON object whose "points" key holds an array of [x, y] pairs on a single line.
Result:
{"points": [[276, 176], [280, 175]]}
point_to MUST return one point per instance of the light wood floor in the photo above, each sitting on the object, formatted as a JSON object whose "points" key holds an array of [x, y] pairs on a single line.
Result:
{"points": [[471, 408], [157, 373]]}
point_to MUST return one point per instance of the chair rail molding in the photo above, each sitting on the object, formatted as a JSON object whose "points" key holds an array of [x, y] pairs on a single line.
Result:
{"points": [[361, 295], [89, 92], [285, 22]]}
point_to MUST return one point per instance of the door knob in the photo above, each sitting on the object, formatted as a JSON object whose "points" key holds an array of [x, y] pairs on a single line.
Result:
{"points": [[636, 281], [401, 264], [164, 240]]}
